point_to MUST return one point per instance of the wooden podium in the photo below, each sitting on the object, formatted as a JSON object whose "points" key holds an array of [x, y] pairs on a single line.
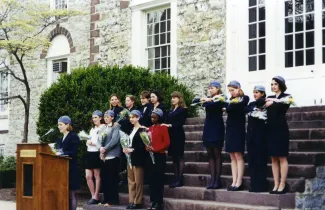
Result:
{"points": [[42, 179]]}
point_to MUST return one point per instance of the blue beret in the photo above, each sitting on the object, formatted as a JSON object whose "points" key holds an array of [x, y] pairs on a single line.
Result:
{"points": [[109, 113], [234, 83], [137, 113], [158, 112], [259, 88], [98, 113], [215, 83], [65, 119], [280, 78]]}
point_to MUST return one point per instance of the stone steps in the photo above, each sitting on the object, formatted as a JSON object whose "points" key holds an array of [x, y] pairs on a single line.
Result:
{"points": [[307, 109], [186, 204], [294, 145], [295, 171], [202, 180], [311, 133], [292, 124], [305, 158]]}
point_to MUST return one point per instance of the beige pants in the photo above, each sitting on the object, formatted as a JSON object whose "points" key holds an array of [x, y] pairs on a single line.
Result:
{"points": [[135, 184]]}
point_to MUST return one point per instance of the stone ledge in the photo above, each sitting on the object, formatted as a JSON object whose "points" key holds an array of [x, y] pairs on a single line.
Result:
{"points": [[4, 131]]}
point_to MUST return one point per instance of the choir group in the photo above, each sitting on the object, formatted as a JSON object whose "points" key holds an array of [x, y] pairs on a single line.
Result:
{"points": [[266, 135]]}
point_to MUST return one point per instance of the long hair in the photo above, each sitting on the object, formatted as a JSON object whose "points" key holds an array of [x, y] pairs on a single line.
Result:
{"points": [[159, 96], [181, 102], [241, 92], [119, 104]]}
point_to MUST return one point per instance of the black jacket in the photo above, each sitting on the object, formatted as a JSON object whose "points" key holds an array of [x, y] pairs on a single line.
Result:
{"points": [[139, 154]]}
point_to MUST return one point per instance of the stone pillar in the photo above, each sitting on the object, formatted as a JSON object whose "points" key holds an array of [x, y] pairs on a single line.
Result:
{"points": [[94, 31]]}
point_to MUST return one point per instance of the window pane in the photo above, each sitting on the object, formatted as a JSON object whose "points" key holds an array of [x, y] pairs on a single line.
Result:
{"points": [[261, 29], [289, 42], [149, 29], [168, 62], [149, 41], [162, 38], [164, 51], [163, 16], [299, 41], [252, 15], [323, 55], [252, 31], [156, 30], [299, 7], [289, 25], [252, 63], [168, 50], [261, 14], [323, 36], [157, 64], [164, 63], [310, 6], [150, 18], [299, 20], [261, 62], [157, 52], [310, 39], [252, 3], [168, 25], [299, 58], [261, 46], [168, 13], [288, 8], [310, 57], [252, 47], [289, 59], [168, 37], [156, 39], [151, 65], [163, 27], [310, 21], [151, 53], [323, 16]]}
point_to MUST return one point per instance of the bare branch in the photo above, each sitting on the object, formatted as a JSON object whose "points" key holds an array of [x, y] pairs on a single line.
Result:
{"points": [[11, 72], [15, 97]]}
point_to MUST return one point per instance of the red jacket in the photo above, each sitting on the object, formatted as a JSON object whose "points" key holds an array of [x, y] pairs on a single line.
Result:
{"points": [[160, 138]]}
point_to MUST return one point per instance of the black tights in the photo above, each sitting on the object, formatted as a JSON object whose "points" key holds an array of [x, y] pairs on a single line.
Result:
{"points": [[215, 162], [73, 200], [178, 163]]}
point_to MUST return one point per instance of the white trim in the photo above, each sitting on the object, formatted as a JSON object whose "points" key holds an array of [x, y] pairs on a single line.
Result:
{"points": [[148, 4]]}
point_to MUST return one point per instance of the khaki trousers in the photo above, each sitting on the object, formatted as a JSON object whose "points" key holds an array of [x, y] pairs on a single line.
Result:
{"points": [[135, 184]]}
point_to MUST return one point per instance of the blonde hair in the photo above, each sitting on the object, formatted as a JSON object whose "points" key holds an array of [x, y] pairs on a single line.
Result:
{"points": [[131, 97], [179, 95], [119, 103], [240, 93]]}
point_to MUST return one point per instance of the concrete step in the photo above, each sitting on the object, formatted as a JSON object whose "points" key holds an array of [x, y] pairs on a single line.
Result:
{"points": [[292, 125], [306, 171], [223, 197], [315, 134], [294, 145], [202, 180], [307, 109], [101, 207], [304, 158]]}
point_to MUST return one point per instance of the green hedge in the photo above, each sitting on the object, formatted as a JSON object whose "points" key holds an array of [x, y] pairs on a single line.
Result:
{"points": [[8, 163], [86, 89]]}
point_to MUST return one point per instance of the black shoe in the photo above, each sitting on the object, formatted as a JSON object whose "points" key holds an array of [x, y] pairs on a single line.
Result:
{"points": [[129, 206], [152, 206], [136, 206], [273, 191], [216, 185], [172, 185], [230, 188], [159, 206], [284, 191], [239, 188], [93, 202], [179, 183]]}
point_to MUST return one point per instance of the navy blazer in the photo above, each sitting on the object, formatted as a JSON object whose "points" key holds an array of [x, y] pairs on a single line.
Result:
{"points": [[146, 115], [139, 154]]}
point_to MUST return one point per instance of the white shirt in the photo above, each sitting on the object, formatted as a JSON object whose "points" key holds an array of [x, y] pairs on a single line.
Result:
{"points": [[132, 135], [94, 134], [64, 136]]}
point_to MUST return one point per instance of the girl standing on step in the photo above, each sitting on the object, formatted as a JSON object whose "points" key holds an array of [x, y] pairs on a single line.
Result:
{"points": [[110, 153], [236, 133], [156, 101], [138, 159], [145, 109], [69, 145], [175, 120], [92, 158], [256, 142], [160, 142], [213, 132], [278, 133]]}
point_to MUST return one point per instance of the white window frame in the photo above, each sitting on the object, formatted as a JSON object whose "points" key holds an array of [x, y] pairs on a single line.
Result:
{"points": [[52, 4], [53, 76], [139, 10]]}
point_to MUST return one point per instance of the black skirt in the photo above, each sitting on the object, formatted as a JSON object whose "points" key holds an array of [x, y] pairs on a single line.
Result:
{"points": [[92, 160]]}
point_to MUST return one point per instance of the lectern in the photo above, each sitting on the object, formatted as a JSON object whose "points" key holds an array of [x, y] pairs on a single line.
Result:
{"points": [[42, 179]]}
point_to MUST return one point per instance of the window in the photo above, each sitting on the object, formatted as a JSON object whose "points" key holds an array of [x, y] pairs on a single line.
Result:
{"points": [[2, 150], [59, 66], [60, 4], [158, 40], [3, 92], [256, 35], [299, 33]]}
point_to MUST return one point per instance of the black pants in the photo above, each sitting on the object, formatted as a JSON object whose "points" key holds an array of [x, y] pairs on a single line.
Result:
{"points": [[257, 164], [110, 178], [157, 178]]}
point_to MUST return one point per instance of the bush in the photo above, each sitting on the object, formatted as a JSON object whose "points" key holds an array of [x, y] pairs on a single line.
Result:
{"points": [[87, 89], [7, 164]]}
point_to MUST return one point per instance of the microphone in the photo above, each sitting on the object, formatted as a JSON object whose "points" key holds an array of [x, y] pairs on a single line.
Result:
{"points": [[47, 133]]}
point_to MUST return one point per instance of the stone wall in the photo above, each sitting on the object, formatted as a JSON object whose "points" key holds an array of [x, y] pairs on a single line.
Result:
{"points": [[314, 196], [201, 43]]}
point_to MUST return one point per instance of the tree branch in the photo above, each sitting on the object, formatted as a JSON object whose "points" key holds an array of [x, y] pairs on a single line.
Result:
{"points": [[15, 97], [11, 72]]}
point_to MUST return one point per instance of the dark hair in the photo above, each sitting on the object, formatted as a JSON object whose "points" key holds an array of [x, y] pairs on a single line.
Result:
{"points": [[159, 96], [264, 94], [160, 119], [69, 128], [102, 121], [131, 97], [145, 94], [282, 86]]}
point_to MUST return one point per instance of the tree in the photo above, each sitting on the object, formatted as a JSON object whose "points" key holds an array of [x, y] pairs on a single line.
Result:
{"points": [[22, 36]]}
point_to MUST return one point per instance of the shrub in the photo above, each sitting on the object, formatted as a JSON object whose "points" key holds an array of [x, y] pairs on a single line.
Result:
{"points": [[8, 163], [87, 89]]}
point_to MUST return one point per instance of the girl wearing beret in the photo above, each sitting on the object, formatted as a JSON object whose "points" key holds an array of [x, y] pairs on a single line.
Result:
{"points": [[110, 154], [69, 144], [92, 157], [256, 142], [138, 159], [278, 133], [175, 120], [213, 132], [160, 142], [236, 133]]}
